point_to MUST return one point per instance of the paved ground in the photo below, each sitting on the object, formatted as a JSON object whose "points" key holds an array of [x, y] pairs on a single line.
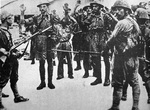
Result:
{"points": [[70, 94]]}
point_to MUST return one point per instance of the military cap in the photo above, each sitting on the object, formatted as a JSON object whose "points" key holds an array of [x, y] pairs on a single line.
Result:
{"points": [[43, 2]]}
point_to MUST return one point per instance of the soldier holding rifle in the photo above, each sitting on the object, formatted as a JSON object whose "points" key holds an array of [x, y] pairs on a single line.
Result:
{"points": [[124, 39], [8, 59]]}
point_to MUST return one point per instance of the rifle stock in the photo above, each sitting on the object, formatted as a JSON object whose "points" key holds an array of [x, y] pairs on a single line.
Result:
{"points": [[27, 39]]}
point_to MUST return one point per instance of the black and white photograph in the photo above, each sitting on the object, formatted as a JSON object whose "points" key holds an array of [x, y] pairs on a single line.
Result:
{"points": [[74, 54]]}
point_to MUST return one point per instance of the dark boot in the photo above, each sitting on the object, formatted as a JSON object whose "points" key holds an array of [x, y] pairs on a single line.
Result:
{"points": [[86, 74], [2, 106], [42, 75], [50, 84], [50, 77], [147, 86], [78, 66], [106, 83], [97, 81], [148, 100], [41, 86], [135, 108], [70, 76], [124, 93], [4, 95], [124, 97], [20, 99], [107, 70], [33, 61]]}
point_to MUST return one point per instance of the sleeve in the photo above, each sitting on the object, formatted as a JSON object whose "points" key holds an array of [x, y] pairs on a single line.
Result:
{"points": [[109, 22], [54, 19], [31, 20], [2, 49], [118, 29]]}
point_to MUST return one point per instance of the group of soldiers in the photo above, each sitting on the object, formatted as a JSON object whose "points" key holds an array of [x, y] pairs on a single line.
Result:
{"points": [[119, 35]]}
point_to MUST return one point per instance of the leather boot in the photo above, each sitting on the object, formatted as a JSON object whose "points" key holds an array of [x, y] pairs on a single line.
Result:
{"points": [[4, 95], [78, 66], [106, 83], [51, 85], [2, 106], [86, 74], [41, 86], [97, 81], [147, 86]]}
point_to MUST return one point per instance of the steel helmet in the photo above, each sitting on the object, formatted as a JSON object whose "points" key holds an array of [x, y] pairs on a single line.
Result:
{"points": [[85, 7], [4, 15], [97, 3], [142, 13], [123, 4]]}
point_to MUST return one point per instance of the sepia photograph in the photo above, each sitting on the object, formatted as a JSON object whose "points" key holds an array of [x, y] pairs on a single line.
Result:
{"points": [[74, 54]]}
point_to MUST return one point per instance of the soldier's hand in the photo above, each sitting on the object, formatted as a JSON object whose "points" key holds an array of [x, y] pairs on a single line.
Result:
{"points": [[22, 8]]}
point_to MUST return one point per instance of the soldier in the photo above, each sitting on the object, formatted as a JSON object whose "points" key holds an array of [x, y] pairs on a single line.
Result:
{"points": [[142, 19], [8, 61], [44, 41], [65, 45], [97, 22], [77, 39], [125, 59], [85, 45]]}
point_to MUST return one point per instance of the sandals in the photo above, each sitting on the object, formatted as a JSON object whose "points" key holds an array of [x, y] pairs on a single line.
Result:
{"points": [[20, 99]]}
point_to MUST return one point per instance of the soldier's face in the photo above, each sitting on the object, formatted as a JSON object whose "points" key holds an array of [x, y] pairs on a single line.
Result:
{"points": [[88, 10], [43, 8], [95, 7], [10, 20], [120, 13]]}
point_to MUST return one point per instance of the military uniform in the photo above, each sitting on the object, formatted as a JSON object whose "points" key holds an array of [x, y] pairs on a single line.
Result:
{"points": [[97, 25], [44, 43], [9, 67], [125, 63], [142, 15]]}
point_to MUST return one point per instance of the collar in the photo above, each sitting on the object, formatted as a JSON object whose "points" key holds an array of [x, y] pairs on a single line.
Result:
{"points": [[45, 15]]}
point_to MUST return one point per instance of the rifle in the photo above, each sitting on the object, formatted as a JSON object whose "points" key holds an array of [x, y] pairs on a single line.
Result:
{"points": [[28, 38], [77, 52], [4, 57]]}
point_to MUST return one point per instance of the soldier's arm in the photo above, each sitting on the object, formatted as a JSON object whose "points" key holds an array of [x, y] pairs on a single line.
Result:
{"points": [[54, 19], [113, 39]]}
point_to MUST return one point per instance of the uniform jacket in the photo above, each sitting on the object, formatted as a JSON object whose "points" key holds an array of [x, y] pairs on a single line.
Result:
{"points": [[124, 38], [44, 41]]}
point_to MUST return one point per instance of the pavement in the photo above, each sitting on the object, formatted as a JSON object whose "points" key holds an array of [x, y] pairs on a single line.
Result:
{"points": [[69, 94]]}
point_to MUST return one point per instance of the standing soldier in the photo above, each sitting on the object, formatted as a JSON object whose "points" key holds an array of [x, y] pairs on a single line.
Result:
{"points": [[44, 42], [124, 39], [65, 44], [8, 61], [142, 19], [97, 23]]}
